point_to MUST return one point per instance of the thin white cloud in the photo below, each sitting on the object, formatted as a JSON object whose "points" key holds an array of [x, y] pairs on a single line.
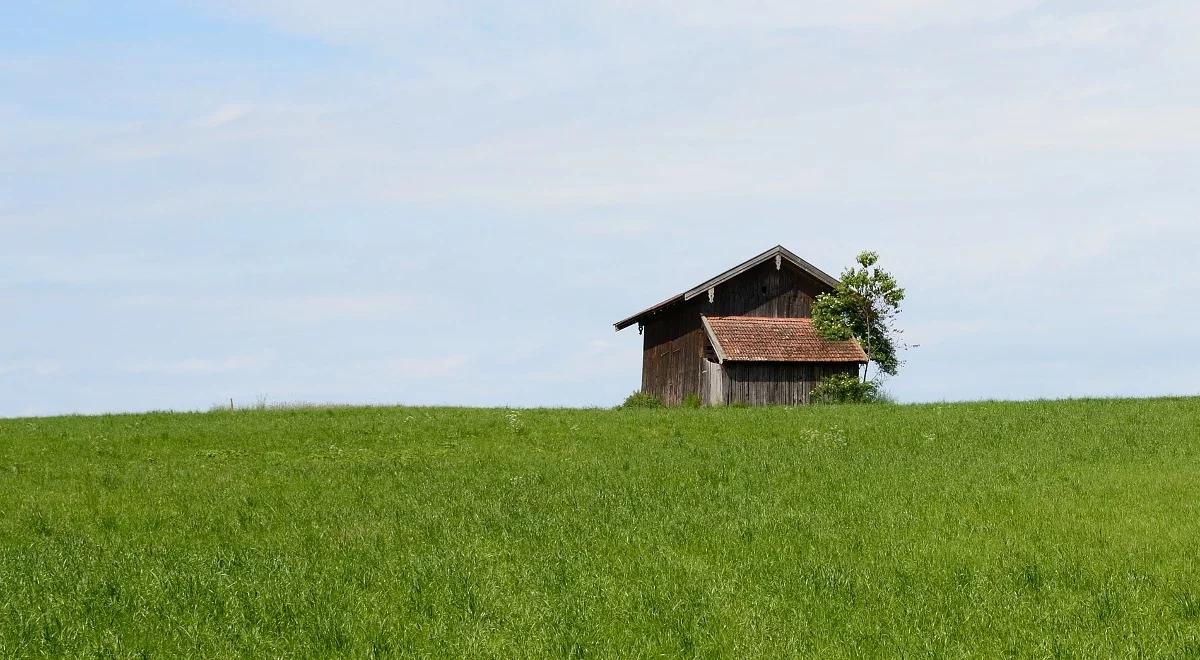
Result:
{"points": [[1150, 25], [357, 21], [790, 14], [594, 360], [201, 366], [377, 23], [417, 367], [780, 129], [283, 308], [30, 367], [225, 114]]}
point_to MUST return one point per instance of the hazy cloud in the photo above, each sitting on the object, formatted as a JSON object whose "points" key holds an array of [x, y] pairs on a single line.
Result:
{"points": [[201, 366], [29, 367], [224, 114], [451, 203], [418, 367]]}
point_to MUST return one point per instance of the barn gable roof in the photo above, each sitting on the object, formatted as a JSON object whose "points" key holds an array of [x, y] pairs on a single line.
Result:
{"points": [[767, 339], [779, 251]]}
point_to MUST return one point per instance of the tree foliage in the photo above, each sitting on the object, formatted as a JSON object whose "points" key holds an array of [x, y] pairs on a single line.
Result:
{"points": [[864, 306]]}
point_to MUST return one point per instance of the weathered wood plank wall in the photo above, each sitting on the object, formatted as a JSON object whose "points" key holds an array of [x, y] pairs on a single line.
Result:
{"points": [[670, 367], [776, 383], [764, 291]]}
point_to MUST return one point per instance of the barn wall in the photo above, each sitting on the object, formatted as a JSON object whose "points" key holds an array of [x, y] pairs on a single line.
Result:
{"points": [[673, 363], [713, 383], [776, 383], [764, 291], [673, 346]]}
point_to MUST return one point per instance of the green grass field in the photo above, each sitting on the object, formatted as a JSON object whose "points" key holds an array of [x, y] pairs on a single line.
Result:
{"points": [[990, 529]]}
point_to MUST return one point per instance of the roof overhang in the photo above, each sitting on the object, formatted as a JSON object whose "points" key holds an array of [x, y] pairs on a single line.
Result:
{"points": [[780, 252]]}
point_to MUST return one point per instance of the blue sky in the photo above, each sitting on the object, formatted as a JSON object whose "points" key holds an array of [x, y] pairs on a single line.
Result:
{"points": [[381, 202]]}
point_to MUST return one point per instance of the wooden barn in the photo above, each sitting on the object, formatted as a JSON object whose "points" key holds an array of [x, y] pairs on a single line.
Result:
{"points": [[744, 336]]}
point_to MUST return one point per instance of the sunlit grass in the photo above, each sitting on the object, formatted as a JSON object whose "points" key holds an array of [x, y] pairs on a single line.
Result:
{"points": [[988, 529]]}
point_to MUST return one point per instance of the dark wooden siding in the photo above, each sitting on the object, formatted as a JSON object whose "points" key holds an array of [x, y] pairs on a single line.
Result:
{"points": [[776, 383], [764, 291], [673, 341], [673, 364]]}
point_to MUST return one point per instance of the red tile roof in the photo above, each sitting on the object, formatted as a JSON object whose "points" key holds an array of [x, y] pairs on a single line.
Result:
{"points": [[758, 339]]}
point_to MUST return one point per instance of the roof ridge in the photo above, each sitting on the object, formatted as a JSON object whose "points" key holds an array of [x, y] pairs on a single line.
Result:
{"points": [[777, 251]]}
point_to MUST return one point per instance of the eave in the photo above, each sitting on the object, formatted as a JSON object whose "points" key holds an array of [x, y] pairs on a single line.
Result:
{"points": [[778, 251]]}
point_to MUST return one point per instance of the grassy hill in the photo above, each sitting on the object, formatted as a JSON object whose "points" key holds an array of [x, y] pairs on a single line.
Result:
{"points": [[993, 528]]}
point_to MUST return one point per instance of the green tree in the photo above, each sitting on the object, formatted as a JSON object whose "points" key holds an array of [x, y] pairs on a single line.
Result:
{"points": [[864, 306]]}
